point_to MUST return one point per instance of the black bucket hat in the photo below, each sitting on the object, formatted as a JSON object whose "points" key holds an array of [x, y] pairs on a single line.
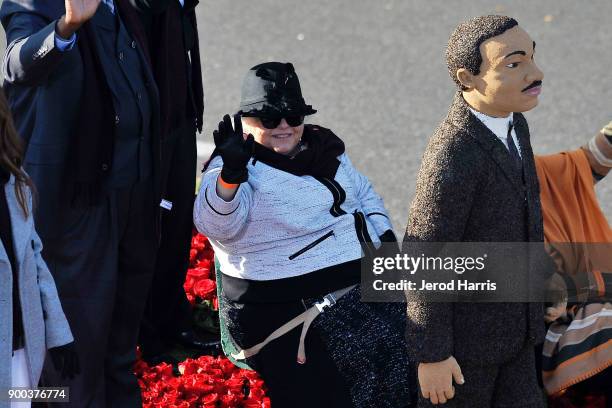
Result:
{"points": [[272, 89]]}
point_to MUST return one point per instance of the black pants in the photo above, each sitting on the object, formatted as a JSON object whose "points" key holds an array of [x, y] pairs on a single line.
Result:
{"points": [[168, 312], [103, 266], [316, 383]]}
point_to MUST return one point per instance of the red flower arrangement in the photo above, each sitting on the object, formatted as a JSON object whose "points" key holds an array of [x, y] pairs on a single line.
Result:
{"points": [[200, 285], [204, 382]]}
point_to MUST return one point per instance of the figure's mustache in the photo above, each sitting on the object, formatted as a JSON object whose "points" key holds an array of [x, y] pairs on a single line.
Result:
{"points": [[533, 85]]}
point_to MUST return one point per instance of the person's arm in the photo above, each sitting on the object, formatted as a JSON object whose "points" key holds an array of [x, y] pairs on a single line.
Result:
{"points": [[445, 190], [33, 53], [225, 197], [215, 216], [371, 203], [599, 153]]}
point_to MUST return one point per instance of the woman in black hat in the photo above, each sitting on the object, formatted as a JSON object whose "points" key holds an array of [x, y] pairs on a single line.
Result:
{"points": [[289, 218]]}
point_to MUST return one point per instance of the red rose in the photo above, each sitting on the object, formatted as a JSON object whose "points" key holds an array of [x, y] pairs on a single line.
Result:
{"points": [[188, 285], [192, 399], [230, 401], [198, 243], [188, 367], [207, 254], [199, 272], [209, 398], [205, 289], [257, 393], [192, 254], [252, 403], [215, 372], [227, 366], [256, 383], [164, 370], [235, 385], [205, 262], [251, 375]]}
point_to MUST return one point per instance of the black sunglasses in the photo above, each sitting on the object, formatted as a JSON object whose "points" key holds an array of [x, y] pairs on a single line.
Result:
{"points": [[272, 123]]}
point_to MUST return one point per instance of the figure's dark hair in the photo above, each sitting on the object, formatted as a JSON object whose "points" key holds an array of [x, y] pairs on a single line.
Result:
{"points": [[463, 49]]}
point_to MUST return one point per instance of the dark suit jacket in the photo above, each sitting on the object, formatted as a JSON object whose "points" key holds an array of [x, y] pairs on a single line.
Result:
{"points": [[44, 87], [469, 190]]}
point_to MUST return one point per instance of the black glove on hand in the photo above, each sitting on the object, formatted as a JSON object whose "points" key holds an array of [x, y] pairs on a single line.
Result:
{"points": [[388, 239], [66, 360], [234, 150]]}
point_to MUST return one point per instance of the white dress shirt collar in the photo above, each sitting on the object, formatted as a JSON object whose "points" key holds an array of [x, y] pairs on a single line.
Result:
{"points": [[499, 127]]}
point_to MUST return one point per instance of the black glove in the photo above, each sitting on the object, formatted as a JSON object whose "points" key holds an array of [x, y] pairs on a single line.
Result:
{"points": [[234, 150], [66, 360], [388, 238]]}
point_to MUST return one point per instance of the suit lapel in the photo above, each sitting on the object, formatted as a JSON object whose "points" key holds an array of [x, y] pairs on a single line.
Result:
{"points": [[21, 226], [463, 118]]}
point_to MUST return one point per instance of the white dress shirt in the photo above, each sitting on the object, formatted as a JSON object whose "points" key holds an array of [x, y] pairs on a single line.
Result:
{"points": [[499, 127]]}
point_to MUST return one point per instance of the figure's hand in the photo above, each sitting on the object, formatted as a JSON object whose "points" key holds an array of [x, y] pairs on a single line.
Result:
{"points": [[557, 296], [436, 380], [78, 12], [234, 149], [556, 311], [66, 360]]}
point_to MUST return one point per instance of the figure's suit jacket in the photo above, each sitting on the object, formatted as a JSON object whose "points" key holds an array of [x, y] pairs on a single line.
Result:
{"points": [[468, 189]]}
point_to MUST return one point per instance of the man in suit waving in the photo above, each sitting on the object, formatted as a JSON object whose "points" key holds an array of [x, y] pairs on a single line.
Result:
{"points": [[82, 90], [478, 183]]}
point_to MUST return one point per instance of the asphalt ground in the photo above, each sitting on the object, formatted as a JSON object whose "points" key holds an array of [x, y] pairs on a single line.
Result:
{"points": [[375, 71]]}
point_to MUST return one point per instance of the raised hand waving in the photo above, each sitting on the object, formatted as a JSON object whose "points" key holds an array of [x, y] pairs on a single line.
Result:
{"points": [[234, 149]]}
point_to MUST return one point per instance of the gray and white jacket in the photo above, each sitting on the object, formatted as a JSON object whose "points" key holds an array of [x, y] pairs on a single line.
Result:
{"points": [[280, 225]]}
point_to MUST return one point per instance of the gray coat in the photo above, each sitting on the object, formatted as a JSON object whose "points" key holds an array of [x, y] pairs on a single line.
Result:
{"points": [[468, 190], [44, 323]]}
